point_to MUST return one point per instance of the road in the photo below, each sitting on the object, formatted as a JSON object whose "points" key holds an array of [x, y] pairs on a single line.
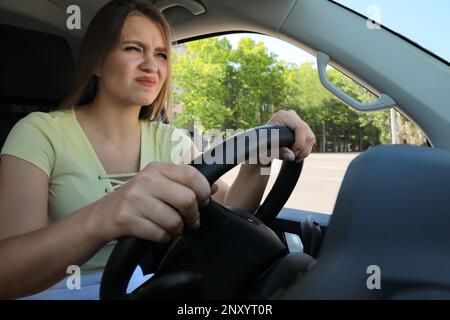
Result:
{"points": [[319, 182]]}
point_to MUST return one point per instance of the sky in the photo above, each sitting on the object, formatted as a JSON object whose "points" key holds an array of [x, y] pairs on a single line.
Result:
{"points": [[284, 50], [426, 22]]}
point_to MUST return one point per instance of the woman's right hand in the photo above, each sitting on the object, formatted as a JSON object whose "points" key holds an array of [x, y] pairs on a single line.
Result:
{"points": [[156, 204]]}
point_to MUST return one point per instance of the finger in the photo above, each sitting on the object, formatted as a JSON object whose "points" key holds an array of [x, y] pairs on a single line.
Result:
{"points": [[286, 154], [162, 214], [214, 188], [304, 140], [189, 177], [302, 156], [310, 142], [299, 146], [180, 197], [146, 229], [292, 120]]}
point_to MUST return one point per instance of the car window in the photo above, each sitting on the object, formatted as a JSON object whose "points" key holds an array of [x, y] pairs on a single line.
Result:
{"points": [[423, 22], [239, 81]]}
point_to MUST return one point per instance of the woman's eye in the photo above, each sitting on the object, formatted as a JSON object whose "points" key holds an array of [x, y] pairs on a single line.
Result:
{"points": [[133, 49], [162, 55]]}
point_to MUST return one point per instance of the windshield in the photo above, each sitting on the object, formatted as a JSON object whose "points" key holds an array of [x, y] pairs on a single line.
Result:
{"points": [[423, 22]]}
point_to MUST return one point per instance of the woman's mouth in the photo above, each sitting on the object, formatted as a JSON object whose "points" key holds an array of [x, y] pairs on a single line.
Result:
{"points": [[146, 81]]}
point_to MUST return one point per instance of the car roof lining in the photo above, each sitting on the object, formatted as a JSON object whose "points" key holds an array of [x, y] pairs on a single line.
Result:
{"points": [[395, 32], [379, 57]]}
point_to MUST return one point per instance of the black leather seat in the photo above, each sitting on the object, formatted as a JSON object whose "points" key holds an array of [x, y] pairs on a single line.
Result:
{"points": [[392, 212], [283, 274]]}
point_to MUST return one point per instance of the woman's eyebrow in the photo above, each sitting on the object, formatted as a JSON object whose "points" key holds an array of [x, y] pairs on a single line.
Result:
{"points": [[134, 42], [161, 49]]}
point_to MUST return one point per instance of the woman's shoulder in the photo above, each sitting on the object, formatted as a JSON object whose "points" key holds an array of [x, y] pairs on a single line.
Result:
{"points": [[46, 122], [45, 117], [36, 137]]}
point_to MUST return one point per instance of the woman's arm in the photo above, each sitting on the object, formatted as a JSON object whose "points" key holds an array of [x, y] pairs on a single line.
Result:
{"points": [[35, 255], [247, 189]]}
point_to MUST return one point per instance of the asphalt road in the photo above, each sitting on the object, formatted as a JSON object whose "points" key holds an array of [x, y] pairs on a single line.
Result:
{"points": [[319, 182]]}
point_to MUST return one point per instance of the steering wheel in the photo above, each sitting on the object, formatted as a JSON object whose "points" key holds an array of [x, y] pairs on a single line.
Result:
{"points": [[228, 255]]}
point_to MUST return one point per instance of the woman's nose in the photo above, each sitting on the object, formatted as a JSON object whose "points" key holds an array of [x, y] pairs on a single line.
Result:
{"points": [[149, 65]]}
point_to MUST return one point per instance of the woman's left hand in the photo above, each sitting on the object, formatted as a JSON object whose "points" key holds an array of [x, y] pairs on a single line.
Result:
{"points": [[304, 137]]}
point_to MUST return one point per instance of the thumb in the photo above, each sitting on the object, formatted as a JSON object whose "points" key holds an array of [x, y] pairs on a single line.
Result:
{"points": [[286, 154], [214, 188]]}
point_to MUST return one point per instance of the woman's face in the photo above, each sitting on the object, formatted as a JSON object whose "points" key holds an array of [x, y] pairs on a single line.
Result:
{"points": [[135, 71]]}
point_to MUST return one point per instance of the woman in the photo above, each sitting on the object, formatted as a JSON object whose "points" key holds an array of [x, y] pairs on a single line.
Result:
{"points": [[59, 171]]}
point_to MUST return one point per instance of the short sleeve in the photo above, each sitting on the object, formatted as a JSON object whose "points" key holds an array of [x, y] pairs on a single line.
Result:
{"points": [[30, 140]]}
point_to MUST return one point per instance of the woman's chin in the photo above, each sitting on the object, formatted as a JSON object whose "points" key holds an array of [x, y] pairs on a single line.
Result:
{"points": [[143, 102]]}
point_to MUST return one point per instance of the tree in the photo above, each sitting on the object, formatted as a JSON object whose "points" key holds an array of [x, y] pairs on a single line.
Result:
{"points": [[254, 79], [327, 116], [198, 76], [226, 88]]}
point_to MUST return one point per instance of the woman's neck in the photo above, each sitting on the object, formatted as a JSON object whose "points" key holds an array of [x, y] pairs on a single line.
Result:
{"points": [[114, 123]]}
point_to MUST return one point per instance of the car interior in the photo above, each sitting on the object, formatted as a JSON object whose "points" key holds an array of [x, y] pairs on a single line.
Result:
{"points": [[392, 208]]}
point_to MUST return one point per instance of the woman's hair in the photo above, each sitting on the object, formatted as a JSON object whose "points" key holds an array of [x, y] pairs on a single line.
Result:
{"points": [[102, 36]]}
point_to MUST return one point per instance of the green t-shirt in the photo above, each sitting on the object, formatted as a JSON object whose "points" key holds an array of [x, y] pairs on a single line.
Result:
{"points": [[56, 143]]}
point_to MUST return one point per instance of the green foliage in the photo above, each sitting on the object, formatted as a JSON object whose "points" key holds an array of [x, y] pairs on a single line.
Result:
{"points": [[227, 88], [198, 78]]}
